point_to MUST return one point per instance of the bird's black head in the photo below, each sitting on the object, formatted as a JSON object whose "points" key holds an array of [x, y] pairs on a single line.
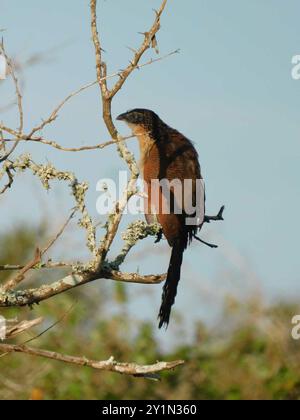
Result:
{"points": [[138, 116]]}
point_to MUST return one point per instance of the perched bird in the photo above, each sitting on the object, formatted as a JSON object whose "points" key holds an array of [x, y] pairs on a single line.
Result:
{"points": [[167, 156]]}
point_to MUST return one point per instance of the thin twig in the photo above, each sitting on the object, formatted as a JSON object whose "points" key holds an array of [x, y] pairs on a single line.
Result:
{"points": [[59, 233], [13, 282], [47, 265], [12, 332], [134, 64], [54, 144], [55, 112], [19, 101]]}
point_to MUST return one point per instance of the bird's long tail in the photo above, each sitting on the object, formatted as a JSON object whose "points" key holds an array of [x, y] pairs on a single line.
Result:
{"points": [[170, 286]]}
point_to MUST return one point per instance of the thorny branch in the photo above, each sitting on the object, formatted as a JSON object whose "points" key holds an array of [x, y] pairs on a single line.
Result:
{"points": [[107, 97]]}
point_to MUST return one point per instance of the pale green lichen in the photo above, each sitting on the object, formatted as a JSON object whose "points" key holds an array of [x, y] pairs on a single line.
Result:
{"points": [[135, 232], [140, 230], [80, 268], [79, 192], [45, 173]]}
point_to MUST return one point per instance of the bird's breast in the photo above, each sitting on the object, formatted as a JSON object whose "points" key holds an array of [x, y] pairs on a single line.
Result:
{"points": [[149, 157]]}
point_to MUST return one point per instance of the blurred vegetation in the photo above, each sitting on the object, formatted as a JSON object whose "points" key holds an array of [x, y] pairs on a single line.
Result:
{"points": [[250, 356]]}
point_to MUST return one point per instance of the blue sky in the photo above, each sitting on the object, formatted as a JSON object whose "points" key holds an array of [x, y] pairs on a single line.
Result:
{"points": [[230, 90]]}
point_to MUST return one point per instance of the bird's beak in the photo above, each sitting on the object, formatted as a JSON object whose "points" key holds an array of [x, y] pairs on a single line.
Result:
{"points": [[122, 117]]}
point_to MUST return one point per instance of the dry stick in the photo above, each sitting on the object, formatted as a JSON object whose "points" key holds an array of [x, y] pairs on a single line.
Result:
{"points": [[108, 365], [149, 36], [13, 282], [8, 173], [47, 265], [59, 233], [55, 145], [12, 132], [53, 116], [21, 327], [19, 101], [10, 181], [2, 144]]}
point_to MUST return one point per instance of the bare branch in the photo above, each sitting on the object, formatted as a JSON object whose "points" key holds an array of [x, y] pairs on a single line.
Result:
{"points": [[12, 132], [19, 100], [13, 282], [107, 96], [14, 330], [31, 296], [55, 145], [47, 265], [59, 233], [109, 365], [10, 181]]}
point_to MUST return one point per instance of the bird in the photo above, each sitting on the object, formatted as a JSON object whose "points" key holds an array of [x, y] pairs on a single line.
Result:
{"points": [[167, 156]]}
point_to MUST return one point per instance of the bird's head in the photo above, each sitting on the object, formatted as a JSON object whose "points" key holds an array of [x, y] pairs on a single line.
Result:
{"points": [[138, 117]]}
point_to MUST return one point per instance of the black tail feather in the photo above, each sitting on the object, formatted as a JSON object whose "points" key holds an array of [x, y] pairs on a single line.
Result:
{"points": [[170, 286]]}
